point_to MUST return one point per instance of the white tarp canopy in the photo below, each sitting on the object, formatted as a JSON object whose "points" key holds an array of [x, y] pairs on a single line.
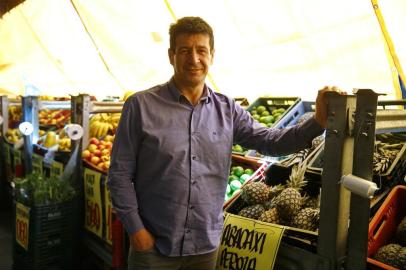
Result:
{"points": [[263, 47]]}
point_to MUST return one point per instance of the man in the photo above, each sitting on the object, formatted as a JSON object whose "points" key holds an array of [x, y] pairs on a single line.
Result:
{"points": [[171, 156]]}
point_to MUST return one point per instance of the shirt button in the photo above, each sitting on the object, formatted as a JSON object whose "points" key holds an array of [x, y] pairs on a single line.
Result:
{"points": [[194, 157], [187, 230], [192, 207]]}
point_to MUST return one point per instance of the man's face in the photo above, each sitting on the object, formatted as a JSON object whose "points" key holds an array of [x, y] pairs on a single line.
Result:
{"points": [[191, 59]]}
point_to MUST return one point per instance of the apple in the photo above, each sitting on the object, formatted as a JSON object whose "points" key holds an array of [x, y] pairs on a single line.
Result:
{"points": [[105, 158], [100, 166], [97, 153], [85, 154], [94, 140], [108, 145], [106, 165], [92, 147], [105, 152], [90, 157], [95, 160], [101, 146], [109, 138]]}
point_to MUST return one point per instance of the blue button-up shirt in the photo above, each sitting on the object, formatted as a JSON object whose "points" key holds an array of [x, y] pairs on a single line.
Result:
{"points": [[170, 163]]}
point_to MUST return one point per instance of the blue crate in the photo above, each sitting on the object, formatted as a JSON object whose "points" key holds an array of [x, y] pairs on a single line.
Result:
{"points": [[292, 116]]}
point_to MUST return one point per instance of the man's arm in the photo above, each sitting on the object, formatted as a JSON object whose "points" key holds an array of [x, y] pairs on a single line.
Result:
{"points": [[321, 104], [122, 170]]}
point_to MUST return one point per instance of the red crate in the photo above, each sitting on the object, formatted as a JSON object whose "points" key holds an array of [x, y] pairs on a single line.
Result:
{"points": [[382, 227]]}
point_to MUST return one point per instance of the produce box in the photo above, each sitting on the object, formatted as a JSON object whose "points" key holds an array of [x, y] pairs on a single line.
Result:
{"points": [[238, 179], [382, 228], [277, 174], [271, 110], [44, 235], [298, 111]]}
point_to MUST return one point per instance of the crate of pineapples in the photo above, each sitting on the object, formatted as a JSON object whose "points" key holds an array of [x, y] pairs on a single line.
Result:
{"points": [[288, 196]]}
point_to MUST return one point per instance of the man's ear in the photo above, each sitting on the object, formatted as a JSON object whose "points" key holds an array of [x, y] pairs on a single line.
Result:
{"points": [[212, 57], [171, 56]]}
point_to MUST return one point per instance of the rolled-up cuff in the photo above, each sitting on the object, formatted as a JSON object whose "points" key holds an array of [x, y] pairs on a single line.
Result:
{"points": [[132, 222]]}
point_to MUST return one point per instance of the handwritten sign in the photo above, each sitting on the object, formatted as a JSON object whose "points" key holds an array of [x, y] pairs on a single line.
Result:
{"points": [[108, 234], [93, 203], [37, 163], [22, 225], [248, 244], [56, 169]]}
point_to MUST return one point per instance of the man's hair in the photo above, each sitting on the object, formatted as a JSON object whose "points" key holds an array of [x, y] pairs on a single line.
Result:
{"points": [[190, 25]]}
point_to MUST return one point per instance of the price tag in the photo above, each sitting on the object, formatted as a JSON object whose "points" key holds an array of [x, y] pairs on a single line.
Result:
{"points": [[22, 225], [56, 169], [248, 243], [7, 153], [37, 163], [108, 234], [93, 204], [17, 158]]}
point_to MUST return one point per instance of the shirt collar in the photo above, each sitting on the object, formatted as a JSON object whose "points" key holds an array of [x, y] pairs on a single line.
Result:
{"points": [[206, 97]]}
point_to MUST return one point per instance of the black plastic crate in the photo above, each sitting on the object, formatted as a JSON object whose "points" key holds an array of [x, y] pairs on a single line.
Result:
{"points": [[277, 174], [274, 103]]}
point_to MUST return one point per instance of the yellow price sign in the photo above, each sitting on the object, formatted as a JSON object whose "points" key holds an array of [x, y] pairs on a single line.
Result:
{"points": [[248, 244], [37, 163], [108, 234], [56, 169], [93, 203], [22, 225]]}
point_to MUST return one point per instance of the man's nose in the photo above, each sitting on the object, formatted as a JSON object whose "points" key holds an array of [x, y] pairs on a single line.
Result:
{"points": [[194, 56]]}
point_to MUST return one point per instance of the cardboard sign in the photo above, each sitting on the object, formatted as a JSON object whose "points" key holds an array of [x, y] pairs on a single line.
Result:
{"points": [[248, 244], [93, 203], [37, 164], [22, 225], [56, 169], [108, 215]]}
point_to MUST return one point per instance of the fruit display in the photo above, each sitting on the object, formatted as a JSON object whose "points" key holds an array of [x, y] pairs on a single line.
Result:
{"points": [[102, 124], [98, 152], [58, 118], [14, 116], [13, 135], [265, 116], [285, 204], [57, 139], [238, 176]]}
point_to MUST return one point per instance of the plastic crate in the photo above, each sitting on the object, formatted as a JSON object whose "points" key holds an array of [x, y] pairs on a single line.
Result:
{"points": [[259, 169], [242, 101], [277, 174], [51, 239], [383, 226], [273, 103], [294, 114]]}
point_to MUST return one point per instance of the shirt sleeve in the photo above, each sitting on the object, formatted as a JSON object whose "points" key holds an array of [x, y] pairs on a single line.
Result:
{"points": [[123, 165], [273, 141]]}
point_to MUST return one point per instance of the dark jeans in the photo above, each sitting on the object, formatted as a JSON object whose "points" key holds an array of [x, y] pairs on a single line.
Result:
{"points": [[153, 260]]}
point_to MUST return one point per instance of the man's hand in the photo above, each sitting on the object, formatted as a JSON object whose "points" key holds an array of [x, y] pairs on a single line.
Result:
{"points": [[142, 240], [321, 104]]}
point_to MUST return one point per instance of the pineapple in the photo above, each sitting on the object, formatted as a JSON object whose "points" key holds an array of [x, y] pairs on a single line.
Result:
{"points": [[270, 216], [401, 232], [252, 211], [289, 201], [274, 191], [392, 255], [307, 219], [255, 193]]}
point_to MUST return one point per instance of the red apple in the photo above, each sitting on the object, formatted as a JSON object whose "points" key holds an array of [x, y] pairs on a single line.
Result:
{"points": [[85, 154], [101, 146], [90, 157], [97, 153], [108, 145], [94, 141]]}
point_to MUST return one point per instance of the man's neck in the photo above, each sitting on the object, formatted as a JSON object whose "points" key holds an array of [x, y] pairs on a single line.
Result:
{"points": [[192, 93]]}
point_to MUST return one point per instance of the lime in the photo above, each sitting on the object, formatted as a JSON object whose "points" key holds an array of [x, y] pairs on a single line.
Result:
{"points": [[232, 177], [260, 109], [238, 171], [249, 171], [228, 189], [244, 178], [237, 148], [235, 184]]}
